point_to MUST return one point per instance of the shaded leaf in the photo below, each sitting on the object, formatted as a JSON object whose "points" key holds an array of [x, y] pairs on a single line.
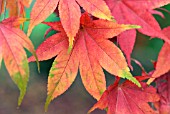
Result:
{"points": [[127, 44], [152, 4], [163, 88], [125, 99], [163, 61], [136, 12]]}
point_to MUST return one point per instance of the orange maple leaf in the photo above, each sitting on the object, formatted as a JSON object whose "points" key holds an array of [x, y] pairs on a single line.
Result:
{"points": [[91, 52], [12, 44], [70, 13]]}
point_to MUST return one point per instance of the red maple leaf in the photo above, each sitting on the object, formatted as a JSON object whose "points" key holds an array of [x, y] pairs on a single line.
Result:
{"points": [[162, 65], [69, 12], [136, 12], [127, 98], [92, 52], [163, 88]]}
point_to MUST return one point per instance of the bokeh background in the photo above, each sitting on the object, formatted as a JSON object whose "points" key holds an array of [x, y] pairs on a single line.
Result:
{"points": [[75, 100]]}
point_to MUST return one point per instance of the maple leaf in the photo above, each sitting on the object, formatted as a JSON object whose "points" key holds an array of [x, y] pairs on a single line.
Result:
{"points": [[163, 61], [127, 98], [90, 53], [136, 12], [70, 13], [163, 88], [12, 44], [16, 7]]}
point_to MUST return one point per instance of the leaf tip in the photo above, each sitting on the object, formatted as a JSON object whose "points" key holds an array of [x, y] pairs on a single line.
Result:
{"points": [[71, 41], [135, 26], [69, 49], [20, 99], [112, 19], [150, 81], [36, 58], [89, 112], [127, 27], [48, 101], [28, 33], [29, 30], [92, 109], [139, 85], [126, 74]]}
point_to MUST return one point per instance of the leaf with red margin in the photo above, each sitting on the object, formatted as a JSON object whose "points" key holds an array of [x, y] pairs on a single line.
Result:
{"points": [[136, 12], [53, 45], [127, 98], [127, 44], [91, 53], [53, 26], [12, 44], [163, 88], [163, 61], [70, 13]]}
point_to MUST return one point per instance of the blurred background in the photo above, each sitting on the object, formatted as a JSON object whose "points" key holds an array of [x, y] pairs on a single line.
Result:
{"points": [[75, 100]]}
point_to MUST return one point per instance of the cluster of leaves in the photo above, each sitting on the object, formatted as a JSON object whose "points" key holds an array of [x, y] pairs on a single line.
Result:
{"points": [[83, 42]]}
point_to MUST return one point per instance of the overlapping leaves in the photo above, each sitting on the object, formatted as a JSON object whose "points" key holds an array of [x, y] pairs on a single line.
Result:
{"points": [[15, 7], [163, 61], [127, 98], [137, 12], [90, 50], [69, 12], [90, 53]]}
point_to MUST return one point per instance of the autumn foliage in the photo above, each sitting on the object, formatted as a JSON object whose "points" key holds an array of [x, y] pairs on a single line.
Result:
{"points": [[84, 42]]}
